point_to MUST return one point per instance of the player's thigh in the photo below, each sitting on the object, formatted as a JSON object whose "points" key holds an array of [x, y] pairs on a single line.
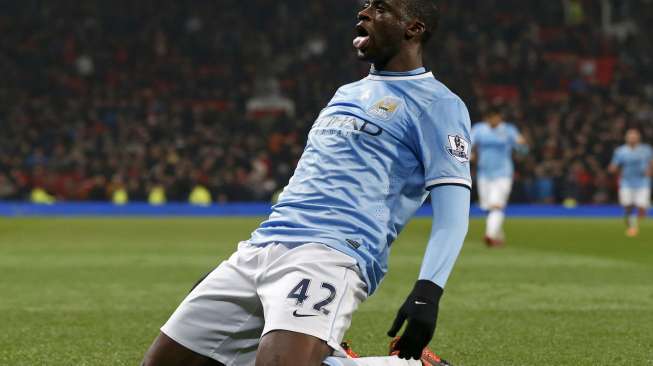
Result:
{"points": [[222, 317], [626, 197], [166, 352], [483, 193], [498, 193], [643, 198], [285, 348], [504, 187], [312, 290]]}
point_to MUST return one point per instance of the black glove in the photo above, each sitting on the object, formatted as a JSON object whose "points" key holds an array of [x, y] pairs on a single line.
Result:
{"points": [[421, 311]]}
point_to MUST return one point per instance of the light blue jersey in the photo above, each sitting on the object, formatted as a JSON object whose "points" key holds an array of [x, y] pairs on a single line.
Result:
{"points": [[372, 156], [634, 163], [494, 147]]}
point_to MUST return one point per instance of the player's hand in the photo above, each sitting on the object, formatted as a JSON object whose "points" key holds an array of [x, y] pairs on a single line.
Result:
{"points": [[421, 312]]}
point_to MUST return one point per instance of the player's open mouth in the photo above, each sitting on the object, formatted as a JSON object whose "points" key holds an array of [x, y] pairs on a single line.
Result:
{"points": [[362, 39]]}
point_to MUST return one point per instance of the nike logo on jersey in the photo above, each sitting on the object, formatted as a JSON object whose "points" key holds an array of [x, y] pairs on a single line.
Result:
{"points": [[420, 303], [297, 315]]}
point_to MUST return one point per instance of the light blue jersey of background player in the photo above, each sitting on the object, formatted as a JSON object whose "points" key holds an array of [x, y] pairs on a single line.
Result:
{"points": [[494, 147], [634, 162], [373, 155]]}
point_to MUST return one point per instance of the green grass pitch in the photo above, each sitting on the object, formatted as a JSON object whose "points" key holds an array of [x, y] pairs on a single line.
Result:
{"points": [[563, 292]]}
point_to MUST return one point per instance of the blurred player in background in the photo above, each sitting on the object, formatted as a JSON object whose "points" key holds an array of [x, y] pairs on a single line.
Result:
{"points": [[634, 162], [375, 153], [494, 141]]}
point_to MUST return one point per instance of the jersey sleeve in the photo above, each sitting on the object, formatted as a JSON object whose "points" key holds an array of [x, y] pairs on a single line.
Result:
{"points": [[474, 134], [443, 138], [616, 158], [448, 231]]}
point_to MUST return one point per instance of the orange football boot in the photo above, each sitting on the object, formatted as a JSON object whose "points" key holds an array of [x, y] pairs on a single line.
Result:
{"points": [[348, 351], [429, 358]]}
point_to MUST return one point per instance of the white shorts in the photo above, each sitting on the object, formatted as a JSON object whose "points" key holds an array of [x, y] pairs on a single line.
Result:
{"points": [[639, 197], [494, 192], [310, 289]]}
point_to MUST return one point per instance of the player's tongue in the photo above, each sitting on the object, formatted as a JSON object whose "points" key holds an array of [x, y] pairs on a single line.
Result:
{"points": [[361, 42]]}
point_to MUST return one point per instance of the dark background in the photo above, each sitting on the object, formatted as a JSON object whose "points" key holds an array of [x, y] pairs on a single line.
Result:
{"points": [[97, 96]]}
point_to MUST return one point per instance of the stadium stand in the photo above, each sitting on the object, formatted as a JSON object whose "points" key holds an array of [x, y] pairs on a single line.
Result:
{"points": [[103, 100]]}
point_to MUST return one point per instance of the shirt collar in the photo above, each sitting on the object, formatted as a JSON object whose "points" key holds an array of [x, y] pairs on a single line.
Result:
{"points": [[418, 71]]}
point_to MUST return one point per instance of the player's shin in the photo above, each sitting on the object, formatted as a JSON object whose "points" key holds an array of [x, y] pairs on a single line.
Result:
{"points": [[632, 221], [494, 224], [628, 216]]}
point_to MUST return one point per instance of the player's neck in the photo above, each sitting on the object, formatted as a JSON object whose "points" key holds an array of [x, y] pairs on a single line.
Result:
{"points": [[406, 60]]}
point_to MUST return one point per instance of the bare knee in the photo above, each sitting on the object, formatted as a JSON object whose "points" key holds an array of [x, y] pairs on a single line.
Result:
{"points": [[284, 348], [166, 352]]}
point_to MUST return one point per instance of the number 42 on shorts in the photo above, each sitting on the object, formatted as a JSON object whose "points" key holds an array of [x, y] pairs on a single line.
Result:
{"points": [[300, 293]]}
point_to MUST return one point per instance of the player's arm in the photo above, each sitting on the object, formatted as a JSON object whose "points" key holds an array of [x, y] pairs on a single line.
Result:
{"points": [[613, 168], [521, 144], [420, 310], [442, 139], [450, 205], [521, 140], [474, 137], [649, 171]]}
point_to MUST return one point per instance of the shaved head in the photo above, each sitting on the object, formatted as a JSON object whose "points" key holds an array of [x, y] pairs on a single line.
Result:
{"points": [[426, 11]]}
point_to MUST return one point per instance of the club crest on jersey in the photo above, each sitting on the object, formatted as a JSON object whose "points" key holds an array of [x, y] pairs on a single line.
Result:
{"points": [[459, 148], [385, 108]]}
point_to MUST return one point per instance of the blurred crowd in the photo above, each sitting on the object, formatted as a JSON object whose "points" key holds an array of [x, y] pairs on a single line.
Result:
{"points": [[159, 100]]}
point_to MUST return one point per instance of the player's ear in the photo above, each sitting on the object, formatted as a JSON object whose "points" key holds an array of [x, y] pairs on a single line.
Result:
{"points": [[416, 29]]}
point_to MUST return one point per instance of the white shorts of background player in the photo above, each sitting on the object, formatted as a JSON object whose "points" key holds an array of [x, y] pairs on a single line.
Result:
{"points": [[638, 197], [494, 193]]}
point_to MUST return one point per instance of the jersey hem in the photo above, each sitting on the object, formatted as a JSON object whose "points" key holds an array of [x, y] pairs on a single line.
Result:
{"points": [[634, 187], [361, 263]]}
